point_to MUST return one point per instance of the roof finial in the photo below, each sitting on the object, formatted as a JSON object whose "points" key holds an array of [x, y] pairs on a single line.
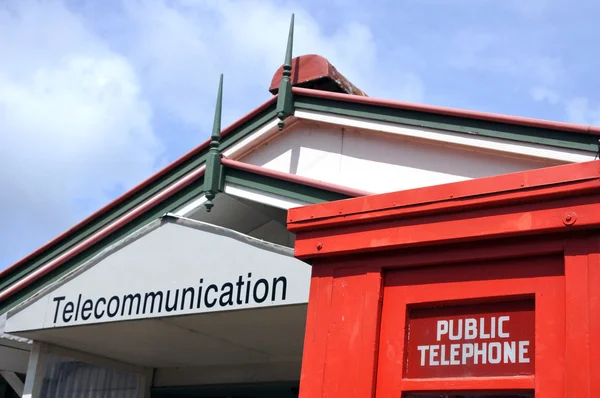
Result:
{"points": [[212, 173], [216, 132], [284, 100]]}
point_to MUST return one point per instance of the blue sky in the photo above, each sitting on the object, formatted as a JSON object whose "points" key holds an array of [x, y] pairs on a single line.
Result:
{"points": [[95, 96]]}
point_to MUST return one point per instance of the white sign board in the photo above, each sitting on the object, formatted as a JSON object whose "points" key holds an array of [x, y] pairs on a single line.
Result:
{"points": [[172, 267]]}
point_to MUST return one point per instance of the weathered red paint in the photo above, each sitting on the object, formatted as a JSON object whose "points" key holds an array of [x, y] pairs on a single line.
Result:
{"points": [[387, 261], [316, 72], [471, 340]]}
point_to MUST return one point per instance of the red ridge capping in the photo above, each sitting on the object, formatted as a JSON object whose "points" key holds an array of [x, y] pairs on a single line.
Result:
{"points": [[137, 188], [293, 178], [492, 117], [315, 71]]}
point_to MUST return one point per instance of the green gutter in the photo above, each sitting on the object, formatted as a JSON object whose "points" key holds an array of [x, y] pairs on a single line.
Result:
{"points": [[533, 135]]}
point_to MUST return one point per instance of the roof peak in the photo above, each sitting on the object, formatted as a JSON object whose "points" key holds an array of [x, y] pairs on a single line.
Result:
{"points": [[316, 72]]}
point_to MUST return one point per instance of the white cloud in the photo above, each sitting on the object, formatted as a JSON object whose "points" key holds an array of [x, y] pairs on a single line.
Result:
{"points": [[73, 126], [579, 110], [545, 94]]}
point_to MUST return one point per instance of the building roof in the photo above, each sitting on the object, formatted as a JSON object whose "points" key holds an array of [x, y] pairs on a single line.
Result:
{"points": [[141, 203]]}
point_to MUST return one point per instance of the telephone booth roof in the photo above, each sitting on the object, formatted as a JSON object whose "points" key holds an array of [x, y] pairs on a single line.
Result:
{"points": [[543, 201]]}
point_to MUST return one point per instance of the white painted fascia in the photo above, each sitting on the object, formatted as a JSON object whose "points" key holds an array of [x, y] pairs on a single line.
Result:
{"points": [[447, 137], [278, 201]]}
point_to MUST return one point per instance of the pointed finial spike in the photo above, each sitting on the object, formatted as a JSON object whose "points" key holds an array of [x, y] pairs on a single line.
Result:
{"points": [[287, 65], [212, 173], [216, 132], [285, 106]]}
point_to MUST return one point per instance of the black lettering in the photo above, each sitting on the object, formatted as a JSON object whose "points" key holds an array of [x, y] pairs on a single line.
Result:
{"points": [[88, 305], [131, 298], [283, 280], [174, 307], [57, 300], [248, 287], [228, 293], [77, 308], [183, 294], [153, 295], [98, 316], [208, 289], [199, 303], [283, 293], [239, 285], [68, 310], [265, 293], [116, 311]]}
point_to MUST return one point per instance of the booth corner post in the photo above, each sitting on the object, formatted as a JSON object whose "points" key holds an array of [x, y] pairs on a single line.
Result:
{"points": [[285, 102], [212, 175]]}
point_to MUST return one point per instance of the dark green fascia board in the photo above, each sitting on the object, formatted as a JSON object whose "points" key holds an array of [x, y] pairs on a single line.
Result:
{"points": [[287, 189], [170, 204], [534, 135], [104, 219]]}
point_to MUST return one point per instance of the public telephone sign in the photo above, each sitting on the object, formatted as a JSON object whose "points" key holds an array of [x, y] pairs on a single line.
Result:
{"points": [[471, 341]]}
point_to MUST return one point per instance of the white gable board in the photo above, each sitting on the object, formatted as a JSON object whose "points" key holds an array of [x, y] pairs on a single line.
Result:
{"points": [[172, 267], [379, 161]]}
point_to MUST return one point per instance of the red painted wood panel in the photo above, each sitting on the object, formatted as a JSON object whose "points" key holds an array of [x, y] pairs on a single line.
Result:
{"points": [[353, 333], [487, 384], [578, 319], [476, 225], [550, 180], [531, 235], [475, 283], [594, 314], [317, 329]]}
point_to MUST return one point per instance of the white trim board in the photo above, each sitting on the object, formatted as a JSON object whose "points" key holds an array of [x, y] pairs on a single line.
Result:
{"points": [[448, 137], [278, 201]]}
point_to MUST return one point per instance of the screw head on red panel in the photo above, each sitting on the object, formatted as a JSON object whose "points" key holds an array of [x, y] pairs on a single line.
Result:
{"points": [[569, 218], [319, 246]]}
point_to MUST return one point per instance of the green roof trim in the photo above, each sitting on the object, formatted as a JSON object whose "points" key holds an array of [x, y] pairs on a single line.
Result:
{"points": [[268, 184], [168, 205], [287, 189], [533, 135], [144, 194]]}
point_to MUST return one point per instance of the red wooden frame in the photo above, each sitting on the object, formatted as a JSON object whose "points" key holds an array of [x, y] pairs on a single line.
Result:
{"points": [[357, 246], [542, 278]]}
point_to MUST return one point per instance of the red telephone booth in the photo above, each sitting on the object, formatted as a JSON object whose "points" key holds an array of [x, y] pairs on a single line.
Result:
{"points": [[483, 288]]}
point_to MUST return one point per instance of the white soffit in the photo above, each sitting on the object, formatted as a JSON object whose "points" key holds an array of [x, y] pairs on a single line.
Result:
{"points": [[173, 266], [448, 137]]}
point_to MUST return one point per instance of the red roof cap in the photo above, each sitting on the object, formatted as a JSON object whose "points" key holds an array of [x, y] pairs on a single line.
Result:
{"points": [[314, 71]]}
